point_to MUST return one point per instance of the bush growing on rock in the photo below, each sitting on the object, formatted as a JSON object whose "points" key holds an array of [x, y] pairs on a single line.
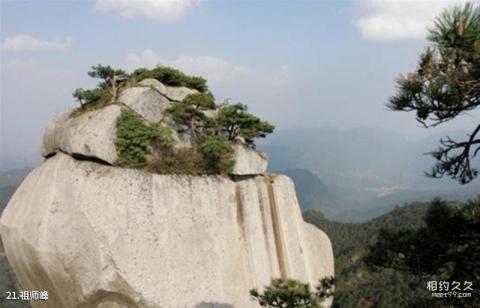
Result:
{"points": [[134, 137], [112, 79], [189, 112], [234, 121], [207, 129], [106, 92], [92, 98], [186, 161], [290, 293], [217, 155], [170, 77]]}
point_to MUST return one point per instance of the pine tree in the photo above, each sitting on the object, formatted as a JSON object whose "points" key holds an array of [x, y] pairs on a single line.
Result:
{"points": [[445, 85]]}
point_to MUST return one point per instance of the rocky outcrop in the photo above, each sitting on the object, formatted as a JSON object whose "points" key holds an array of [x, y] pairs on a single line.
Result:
{"points": [[249, 161], [96, 235], [91, 134], [100, 236], [146, 102], [172, 93]]}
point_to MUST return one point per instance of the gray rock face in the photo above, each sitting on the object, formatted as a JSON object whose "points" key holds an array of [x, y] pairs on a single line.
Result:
{"points": [[93, 134], [145, 101], [178, 93], [100, 236], [172, 93], [249, 161], [90, 134], [155, 84]]}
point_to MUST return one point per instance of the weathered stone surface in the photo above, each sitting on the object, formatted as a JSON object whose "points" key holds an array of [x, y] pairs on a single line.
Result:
{"points": [[172, 93], [210, 113], [100, 236], [249, 161], [155, 84], [145, 101], [178, 93], [90, 134]]}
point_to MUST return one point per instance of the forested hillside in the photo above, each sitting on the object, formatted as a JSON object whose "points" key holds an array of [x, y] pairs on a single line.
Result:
{"points": [[357, 286], [348, 204]]}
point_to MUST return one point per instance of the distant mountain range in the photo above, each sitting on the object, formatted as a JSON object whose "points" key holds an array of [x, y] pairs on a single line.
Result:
{"points": [[362, 173], [364, 158]]}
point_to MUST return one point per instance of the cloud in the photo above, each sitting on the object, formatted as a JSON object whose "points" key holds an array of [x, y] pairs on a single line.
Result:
{"points": [[153, 9], [25, 42], [215, 70], [398, 19], [264, 89]]}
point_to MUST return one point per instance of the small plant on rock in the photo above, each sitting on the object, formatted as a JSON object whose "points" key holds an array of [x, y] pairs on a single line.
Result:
{"points": [[106, 92], [290, 293], [134, 137], [190, 112], [171, 77], [217, 155], [234, 121]]}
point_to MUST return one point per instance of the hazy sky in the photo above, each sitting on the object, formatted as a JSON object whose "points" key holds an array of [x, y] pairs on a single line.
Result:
{"points": [[296, 63]]}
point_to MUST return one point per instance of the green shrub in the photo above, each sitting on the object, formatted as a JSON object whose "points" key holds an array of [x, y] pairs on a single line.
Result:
{"points": [[291, 293], [171, 77], [217, 155], [134, 137], [189, 112], [182, 161], [91, 99], [234, 121], [200, 100], [162, 137]]}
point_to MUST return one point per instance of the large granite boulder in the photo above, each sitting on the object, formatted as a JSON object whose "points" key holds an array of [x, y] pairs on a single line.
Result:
{"points": [[91, 134], [249, 161], [146, 102], [154, 84], [172, 93], [100, 236], [178, 93]]}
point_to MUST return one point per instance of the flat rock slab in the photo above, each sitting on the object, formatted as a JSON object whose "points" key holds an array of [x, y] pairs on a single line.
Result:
{"points": [[249, 161], [145, 101], [172, 93], [90, 134]]}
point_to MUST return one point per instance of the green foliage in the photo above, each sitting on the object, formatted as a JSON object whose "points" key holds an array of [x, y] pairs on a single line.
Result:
{"points": [[445, 85], [290, 293], [185, 114], [189, 113], [234, 121], [107, 74], [213, 156], [134, 136], [217, 155], [92, 99], [357, 285], [135, 139], [106, 92], [446, 248], [451, 247], [187, 161], [201, 101], [171, 77]]}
